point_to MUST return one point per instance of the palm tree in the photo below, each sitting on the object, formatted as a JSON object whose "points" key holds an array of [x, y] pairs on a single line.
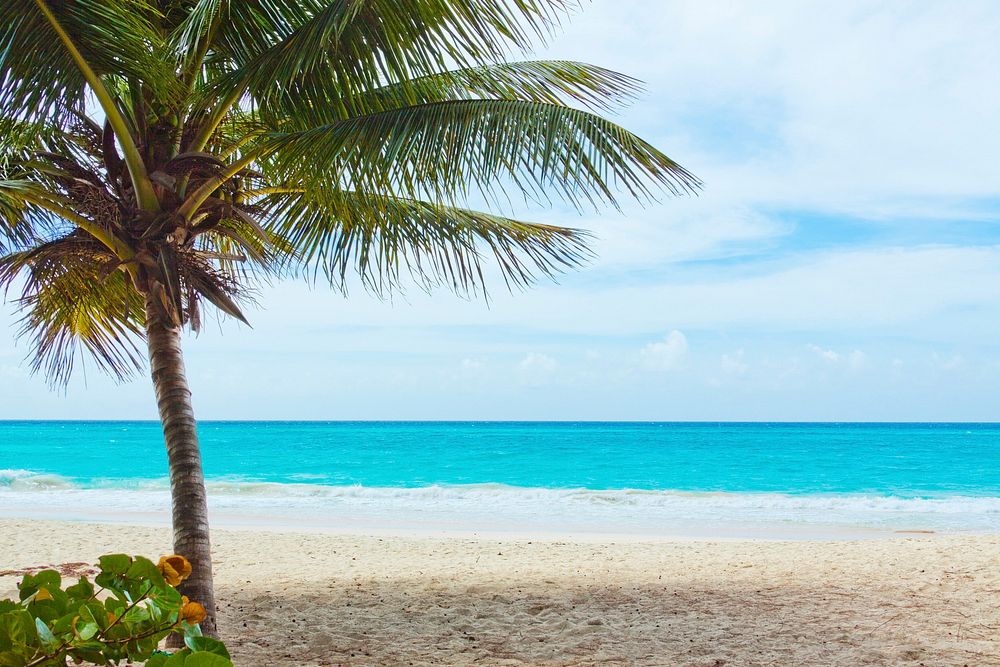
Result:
{"points": [[158, 155]]}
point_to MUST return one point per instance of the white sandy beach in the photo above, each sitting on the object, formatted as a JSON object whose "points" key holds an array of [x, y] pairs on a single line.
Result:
{"points": [[339, 599]]}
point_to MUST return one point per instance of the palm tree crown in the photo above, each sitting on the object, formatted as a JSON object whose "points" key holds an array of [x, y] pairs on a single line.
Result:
{"points": [[158, 155], [244, 137]]}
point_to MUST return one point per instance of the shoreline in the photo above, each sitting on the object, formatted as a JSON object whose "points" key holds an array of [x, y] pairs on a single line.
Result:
{"points": [[510, 512], [416, 524], [367, 528], [289, 597]]}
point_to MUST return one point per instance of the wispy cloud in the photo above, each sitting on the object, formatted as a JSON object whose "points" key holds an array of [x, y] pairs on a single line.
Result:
{"points": [[667, 354], [536, 368], [734, 364]]}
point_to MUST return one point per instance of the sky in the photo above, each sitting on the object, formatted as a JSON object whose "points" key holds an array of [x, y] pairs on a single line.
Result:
{"points": [[841, 264]]}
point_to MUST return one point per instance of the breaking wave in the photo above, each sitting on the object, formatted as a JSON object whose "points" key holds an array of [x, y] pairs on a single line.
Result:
{"points": [[28, 493]]}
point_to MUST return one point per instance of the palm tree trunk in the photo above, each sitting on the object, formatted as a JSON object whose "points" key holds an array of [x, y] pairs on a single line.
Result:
{"points": [[187, 482]]}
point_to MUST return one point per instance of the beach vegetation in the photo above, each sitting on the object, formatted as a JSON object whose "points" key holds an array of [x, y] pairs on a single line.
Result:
{"points": [[160, 160], [122, 616]]}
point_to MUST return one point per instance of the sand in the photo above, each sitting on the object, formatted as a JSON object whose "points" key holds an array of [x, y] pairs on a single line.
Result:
{"points": [[328, 599]]}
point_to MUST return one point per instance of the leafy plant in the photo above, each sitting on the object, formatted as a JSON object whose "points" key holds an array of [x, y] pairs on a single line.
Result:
{"points": [[131, 606]]}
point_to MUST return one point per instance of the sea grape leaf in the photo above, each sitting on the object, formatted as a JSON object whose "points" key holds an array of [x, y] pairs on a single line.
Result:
{"points": [[19, 627], [87, 614], [52, 625], [110, 581], [168, 598], [64, 623], [206, 644], [204, 659], [49, 610], [26, 588], [115, 563], [11, 632], [84, 627], [137, 615], [83, 590], [49, 641], [50, 579], [143, 568], [115, 606], [96, 612], [178, 659], [90, 654]]}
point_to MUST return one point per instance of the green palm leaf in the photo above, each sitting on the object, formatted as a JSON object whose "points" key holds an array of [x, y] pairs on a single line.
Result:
{"points": [[443, 150], [272, 47], [38, 76], [556, 82], [545, 81], [74, 301], [22, 220], [384, 238]]}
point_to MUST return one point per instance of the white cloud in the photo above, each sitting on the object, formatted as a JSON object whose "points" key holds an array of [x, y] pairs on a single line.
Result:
{"points": [[952, 363], [857, 360], [854, 360], [808, 101], [926, 292], [733, 364], [536, 369], [667, 354], [473, 364], [827, 355]]}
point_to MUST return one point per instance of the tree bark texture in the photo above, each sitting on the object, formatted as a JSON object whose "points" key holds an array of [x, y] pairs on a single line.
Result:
{"points": [[189, 501]]}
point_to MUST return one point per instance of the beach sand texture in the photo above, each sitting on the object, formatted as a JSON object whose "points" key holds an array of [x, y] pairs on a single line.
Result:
{"points": [[326, 599]]}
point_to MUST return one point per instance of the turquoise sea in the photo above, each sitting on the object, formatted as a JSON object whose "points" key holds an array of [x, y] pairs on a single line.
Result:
{"points": [[683, 478]]}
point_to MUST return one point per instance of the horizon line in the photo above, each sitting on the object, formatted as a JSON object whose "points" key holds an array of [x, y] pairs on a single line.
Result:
{"points": [[509, 421]]}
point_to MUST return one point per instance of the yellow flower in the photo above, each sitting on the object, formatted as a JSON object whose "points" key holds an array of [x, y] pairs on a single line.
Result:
{"points": [[175, 569], [192, 612], [42, 594]]}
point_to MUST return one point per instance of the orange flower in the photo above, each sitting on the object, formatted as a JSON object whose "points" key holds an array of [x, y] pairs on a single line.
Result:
{"points": [[192, 612], [175, 569]]}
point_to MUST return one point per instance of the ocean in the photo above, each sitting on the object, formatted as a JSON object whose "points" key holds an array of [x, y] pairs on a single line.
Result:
{"points": [[651, 479]]}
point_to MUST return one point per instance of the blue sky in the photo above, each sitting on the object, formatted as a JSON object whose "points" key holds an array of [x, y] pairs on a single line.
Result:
{"points": [[842, 263]]}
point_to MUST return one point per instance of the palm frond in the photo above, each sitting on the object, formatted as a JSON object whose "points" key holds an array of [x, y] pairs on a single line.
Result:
{"points": [[193, 32], [271, 45], [22, 221], [244, 251], [443, 150], [385, 238], [39, 80], [546, 81], [244, 140], [313, 99], [75, 302]]}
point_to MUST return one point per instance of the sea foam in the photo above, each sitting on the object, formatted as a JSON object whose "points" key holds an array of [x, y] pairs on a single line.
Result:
{"points": [[501, 507]]}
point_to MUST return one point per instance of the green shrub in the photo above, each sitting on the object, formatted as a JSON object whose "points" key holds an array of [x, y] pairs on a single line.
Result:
{"points": [[133, 607]]}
